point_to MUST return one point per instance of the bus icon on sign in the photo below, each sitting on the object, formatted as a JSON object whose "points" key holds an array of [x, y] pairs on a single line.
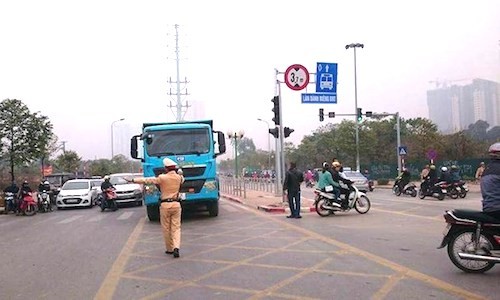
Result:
{"points": [[326, 81]]}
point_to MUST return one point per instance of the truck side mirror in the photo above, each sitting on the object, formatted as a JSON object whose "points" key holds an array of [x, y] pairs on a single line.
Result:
{"points": [[221, 140], [133, 147]]}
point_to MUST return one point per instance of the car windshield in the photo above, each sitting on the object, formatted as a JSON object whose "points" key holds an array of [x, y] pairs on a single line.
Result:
{"points": [[119, 179], [178, 141], [76, 185], [96, 182]]}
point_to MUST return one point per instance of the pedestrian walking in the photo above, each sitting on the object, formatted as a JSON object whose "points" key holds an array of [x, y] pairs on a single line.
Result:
{"points": [[170, 206], [479, 172], [291, 188]]}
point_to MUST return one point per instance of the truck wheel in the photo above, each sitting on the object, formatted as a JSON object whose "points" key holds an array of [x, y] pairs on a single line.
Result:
{"points": [[153, 212], [213, 209]]}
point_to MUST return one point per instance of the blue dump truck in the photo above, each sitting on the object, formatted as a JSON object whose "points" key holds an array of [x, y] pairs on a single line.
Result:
{"points": [[192, 145]]}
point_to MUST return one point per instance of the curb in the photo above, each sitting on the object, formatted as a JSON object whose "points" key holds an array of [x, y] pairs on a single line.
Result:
{"points": [[269, 208]]}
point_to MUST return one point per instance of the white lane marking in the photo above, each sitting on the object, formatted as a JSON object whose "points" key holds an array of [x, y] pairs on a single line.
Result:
{"points": [[70, 219], [125, 215], [96, 218]]}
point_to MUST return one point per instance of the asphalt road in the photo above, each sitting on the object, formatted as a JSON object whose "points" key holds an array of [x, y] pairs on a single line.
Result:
{"points": [[388, 253]]}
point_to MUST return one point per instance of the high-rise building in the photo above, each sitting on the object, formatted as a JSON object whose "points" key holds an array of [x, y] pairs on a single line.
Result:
{"points": [[454, 108]]}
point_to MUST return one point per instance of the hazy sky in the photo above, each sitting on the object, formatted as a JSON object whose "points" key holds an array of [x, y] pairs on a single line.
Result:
{"points": [[85, 64]]}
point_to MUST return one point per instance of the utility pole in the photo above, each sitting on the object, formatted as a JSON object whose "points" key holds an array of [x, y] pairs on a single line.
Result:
{"points": [[179, 106]]}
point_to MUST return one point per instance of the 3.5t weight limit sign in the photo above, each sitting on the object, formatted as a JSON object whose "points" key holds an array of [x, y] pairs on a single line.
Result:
{"points": [[296, 77]]}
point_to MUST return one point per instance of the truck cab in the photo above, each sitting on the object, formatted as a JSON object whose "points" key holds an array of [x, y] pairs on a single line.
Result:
{"points": [[192, 146]]}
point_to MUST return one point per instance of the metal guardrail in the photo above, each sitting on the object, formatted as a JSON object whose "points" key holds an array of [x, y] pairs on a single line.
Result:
{"points": [[239, 186]]}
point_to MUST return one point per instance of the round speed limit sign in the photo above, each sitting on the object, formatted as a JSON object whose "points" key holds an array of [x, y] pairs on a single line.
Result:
{"points": [[296, 77]]}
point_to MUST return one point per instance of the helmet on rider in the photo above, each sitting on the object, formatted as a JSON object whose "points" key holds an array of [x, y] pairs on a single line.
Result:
{"points": [[494, 151], [106, 177], [46, 182], [444, 169], [454, 167], [325, 165], [25, 183], [433, 167]]}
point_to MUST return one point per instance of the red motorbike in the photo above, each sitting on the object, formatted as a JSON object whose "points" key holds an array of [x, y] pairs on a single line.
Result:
{"points": [[110, 199], [28, 205]]}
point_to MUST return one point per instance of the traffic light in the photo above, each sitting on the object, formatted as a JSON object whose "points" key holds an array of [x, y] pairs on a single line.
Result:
{"points": [[368, 114], [360, 115], [287, 131], [321, 115], [275, 132], [331, 114], [276, 110]]}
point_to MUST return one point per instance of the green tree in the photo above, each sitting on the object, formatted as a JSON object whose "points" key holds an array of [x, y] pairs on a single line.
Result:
{"points": [[24, 136], [69, 161]]}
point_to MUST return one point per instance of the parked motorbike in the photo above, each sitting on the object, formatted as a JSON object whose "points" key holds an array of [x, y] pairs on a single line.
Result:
{"points": [[10, 202], [326, 204], [409, 189], [110, 201], [28, 205], [438, 190], [473, 240]]}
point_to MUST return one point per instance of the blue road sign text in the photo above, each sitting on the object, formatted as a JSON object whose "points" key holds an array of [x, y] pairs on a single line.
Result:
{"points": [[319, 98]]}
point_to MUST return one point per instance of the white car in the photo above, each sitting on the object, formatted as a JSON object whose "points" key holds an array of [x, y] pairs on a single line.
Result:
{"points": [[127, 192], [76, 193]]}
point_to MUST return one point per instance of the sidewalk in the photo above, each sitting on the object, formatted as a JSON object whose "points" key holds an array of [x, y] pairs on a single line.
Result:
{"points": [[268, 202]]}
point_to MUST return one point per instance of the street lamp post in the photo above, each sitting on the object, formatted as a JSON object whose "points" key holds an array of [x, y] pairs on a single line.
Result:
{"points": [[235, 136], [112, 144], [354, 46], [268, 144]]}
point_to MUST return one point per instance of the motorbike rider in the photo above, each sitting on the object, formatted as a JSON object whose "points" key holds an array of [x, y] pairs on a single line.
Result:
{"points": [[455, 174], [44, 186], [430, 179], [325, 179], [25, 190], [403, 179], [106, 184], [490, 183], [445, 175], [336, 176], [308, 176], [14, 189]]}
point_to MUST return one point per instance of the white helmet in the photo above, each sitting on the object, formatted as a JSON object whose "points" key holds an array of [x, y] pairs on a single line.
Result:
{"points": [[444, 169], [46, 182], [167, 162], [494, 151], [106, 177]]}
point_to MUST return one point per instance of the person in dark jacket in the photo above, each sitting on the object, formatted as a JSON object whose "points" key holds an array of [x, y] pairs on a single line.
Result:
{"points": [[291, 187], [490, 183], [12, 188], [337, 178]]}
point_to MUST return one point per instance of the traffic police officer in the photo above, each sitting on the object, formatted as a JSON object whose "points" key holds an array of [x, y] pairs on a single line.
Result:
{"points": [[170, 206]]}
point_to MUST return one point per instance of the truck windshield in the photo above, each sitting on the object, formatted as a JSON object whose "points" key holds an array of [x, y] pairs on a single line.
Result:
{"points": [[178, 141]]}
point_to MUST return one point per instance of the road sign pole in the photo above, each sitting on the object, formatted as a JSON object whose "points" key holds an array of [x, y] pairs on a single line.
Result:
{"points": [[282, 134], [398, 132], [277, 152]]}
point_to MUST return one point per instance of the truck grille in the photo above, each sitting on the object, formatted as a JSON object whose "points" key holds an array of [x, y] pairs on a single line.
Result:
{"points": [[188, 172], [197, 185]]}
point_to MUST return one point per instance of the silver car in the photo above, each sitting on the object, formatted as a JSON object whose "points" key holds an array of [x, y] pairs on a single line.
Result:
{"points": [[360, 181]]}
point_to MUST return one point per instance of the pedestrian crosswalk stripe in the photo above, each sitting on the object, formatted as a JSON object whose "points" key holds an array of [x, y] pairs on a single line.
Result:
{"points": [[70, 219], [125, 215], [96, 218]]}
